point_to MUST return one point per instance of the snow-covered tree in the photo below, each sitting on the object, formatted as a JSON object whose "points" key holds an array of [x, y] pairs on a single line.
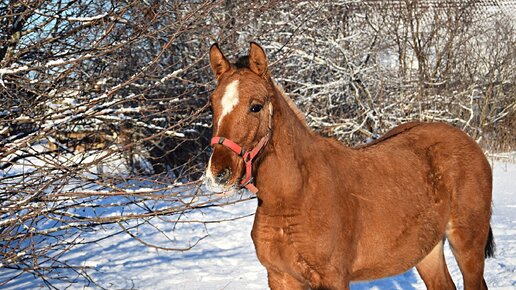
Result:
{"points": [[103, 118]]}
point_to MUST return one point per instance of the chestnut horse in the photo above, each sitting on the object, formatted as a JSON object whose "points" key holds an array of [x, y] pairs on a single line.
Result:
{"points": [[329, 214]]}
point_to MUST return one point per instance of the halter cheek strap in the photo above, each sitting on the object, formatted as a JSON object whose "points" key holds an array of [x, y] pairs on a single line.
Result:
{"points": [[248, 156]]}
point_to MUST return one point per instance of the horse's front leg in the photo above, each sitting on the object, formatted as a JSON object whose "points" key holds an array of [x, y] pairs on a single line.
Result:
{"points": [[284, 281]]}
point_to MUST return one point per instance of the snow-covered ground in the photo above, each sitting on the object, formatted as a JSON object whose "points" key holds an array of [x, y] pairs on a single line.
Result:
{"points": [[225, 259]]}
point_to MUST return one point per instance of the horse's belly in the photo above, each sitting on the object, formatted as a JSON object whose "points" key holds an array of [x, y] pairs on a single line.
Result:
{"points": [[401, 244], [390, 264]]}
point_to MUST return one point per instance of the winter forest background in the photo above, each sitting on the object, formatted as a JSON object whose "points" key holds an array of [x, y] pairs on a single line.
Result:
{"points": [[103, 104]]}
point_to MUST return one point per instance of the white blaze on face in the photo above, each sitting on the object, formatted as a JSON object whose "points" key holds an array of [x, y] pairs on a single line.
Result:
{"points": [[209, 175], [209, 181], [229, 100]]}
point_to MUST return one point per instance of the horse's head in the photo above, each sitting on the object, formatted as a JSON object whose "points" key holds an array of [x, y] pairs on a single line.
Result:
{"points": [[242, 110]]}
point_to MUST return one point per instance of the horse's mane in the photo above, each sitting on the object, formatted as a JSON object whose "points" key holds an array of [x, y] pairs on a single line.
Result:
{"points": [[242, 62]]}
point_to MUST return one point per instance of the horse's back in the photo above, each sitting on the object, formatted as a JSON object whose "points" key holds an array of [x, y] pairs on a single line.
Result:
{"points": [[438, 143], [455, 162], [394, 132], [448, 158]]}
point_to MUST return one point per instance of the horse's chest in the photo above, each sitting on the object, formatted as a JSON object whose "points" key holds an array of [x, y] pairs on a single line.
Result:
{"points": [[278, 248]]}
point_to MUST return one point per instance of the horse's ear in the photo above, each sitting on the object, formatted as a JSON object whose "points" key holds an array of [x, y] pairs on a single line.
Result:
{"points": [[219, 64], [257, 59]]}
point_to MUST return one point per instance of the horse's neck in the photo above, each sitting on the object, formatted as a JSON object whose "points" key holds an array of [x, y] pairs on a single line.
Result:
{"points": [[288, 150], [290, 133]]}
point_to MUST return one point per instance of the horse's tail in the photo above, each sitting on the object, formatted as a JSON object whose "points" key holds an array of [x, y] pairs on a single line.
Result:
{"points": [[490, 245]]}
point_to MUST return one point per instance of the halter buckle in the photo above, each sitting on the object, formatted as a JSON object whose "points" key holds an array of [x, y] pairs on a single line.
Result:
{"points": [[247, 182]]}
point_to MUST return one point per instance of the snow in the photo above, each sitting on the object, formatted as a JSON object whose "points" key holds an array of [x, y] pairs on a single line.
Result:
{"points": [[87, 19], [224, 257], [170, 76]]}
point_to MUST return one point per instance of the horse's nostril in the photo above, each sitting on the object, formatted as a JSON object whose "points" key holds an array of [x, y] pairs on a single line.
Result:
{"points": [[223, 176]]}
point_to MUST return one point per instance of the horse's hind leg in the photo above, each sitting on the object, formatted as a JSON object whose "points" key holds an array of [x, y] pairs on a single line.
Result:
{"points": [[468, 246], [433, 270], [468, 230]]}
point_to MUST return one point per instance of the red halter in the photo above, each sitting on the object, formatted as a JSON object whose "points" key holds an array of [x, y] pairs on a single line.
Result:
{"points": [[248, 156]]}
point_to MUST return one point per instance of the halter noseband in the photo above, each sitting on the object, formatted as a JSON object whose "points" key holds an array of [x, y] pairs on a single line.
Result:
{"points": [[248, 156]]}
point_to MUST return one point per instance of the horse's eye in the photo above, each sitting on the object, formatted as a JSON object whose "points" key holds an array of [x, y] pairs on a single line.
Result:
{"points": [[256, 108]]}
